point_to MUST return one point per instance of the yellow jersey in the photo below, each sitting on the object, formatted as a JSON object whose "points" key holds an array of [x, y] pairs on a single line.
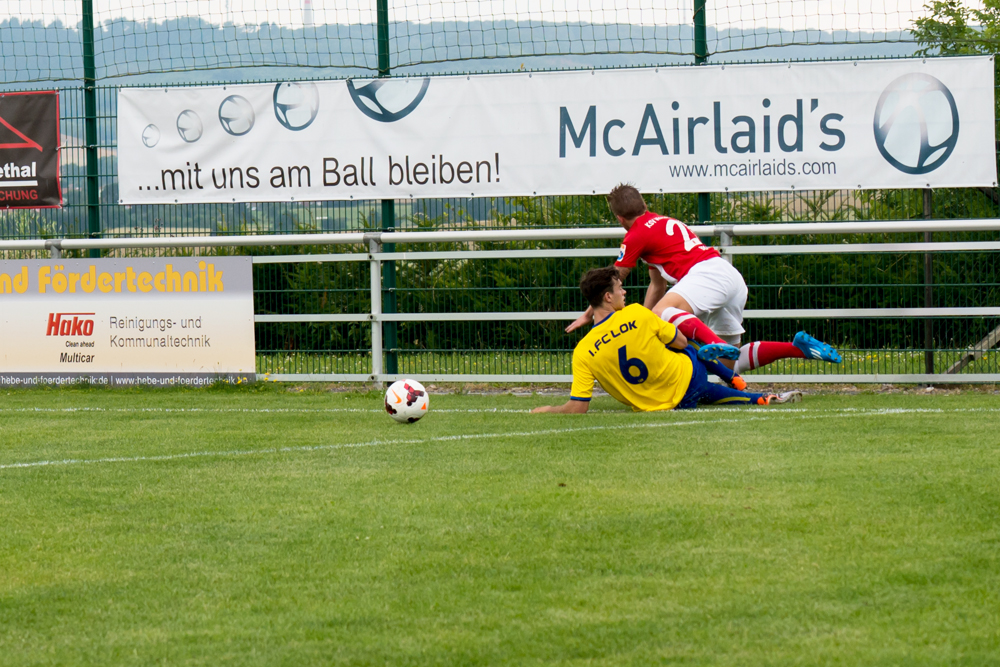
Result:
{"points": [[626, 352]]}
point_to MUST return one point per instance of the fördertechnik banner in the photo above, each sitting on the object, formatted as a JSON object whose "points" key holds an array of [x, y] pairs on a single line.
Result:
{"points": [[833, 125], [124, 322]]}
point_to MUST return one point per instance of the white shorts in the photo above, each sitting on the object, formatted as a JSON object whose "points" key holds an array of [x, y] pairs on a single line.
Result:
{"points": [[717, 294]]}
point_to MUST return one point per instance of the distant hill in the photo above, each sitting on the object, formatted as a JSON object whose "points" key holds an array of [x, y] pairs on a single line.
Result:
{"points": [[191, 50]]}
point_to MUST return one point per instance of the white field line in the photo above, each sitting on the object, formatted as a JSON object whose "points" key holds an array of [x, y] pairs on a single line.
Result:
{"points": [[862, 411], [243, 410], [782, 415]]}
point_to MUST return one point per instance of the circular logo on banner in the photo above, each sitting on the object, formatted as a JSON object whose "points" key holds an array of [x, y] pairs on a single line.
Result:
{"points": [[388, 100], [916, 123], [296, 104], [150, 136], [236, 115], [189, 126]]}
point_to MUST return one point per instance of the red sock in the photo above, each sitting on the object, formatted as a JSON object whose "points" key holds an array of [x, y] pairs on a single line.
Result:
{"points": [[761, 353], [689, 325]]}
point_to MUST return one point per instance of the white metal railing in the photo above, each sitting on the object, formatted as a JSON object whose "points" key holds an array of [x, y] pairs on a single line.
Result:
{"points": [[726, 233], [722, 230]]}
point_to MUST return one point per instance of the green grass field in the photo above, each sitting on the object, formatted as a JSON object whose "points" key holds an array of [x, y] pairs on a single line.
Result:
{"points": [[262, 526]]}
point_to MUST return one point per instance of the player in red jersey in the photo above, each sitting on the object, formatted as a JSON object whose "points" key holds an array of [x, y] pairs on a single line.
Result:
{"points": [[689, 278]]}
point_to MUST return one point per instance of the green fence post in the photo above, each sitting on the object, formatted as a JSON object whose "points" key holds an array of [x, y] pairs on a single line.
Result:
{"points": [[388, 208], [389, 290], [90, 125], [700, 56], [928, 288]]}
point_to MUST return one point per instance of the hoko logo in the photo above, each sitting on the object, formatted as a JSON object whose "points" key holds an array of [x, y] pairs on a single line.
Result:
{"points": [[70, 324], [916, 123], [388, 100]]}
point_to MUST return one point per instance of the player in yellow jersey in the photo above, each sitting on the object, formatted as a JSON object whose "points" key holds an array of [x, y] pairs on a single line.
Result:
{"points": [[643, 361]]}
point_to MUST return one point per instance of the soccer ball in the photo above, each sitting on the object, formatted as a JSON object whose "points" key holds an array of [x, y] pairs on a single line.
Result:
{"points": [[296, 104], [406, 401], [189, 126], [236, 115]]}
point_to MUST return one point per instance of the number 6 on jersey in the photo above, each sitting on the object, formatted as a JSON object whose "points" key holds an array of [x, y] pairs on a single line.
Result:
{"points": [[625, 365]]}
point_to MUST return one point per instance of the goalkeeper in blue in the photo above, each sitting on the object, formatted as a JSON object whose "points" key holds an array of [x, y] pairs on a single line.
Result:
{"points": [[643, 361]]}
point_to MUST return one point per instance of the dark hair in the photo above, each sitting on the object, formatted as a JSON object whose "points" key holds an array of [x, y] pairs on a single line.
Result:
{"points": [[596, 282], [625, 200]]}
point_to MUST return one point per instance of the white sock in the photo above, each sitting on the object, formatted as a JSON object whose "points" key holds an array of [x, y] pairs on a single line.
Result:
{"points": [[674, 315], [748, 358]]}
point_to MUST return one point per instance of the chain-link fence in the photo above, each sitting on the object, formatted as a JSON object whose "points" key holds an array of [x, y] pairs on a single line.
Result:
{"points": [[42, 41]]}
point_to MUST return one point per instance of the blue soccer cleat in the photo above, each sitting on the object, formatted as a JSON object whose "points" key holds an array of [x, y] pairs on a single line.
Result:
{"points": [[714, 351], [815, 349]]}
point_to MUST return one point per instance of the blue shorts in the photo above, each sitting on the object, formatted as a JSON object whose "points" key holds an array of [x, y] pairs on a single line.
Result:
{"points": [[702, 391]]}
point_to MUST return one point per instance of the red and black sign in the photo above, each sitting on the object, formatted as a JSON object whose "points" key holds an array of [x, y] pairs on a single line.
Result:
{"points": [[29, 150]]}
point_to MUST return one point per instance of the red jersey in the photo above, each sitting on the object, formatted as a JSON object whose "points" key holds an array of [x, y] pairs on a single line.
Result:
{"points": [[665, 243]]}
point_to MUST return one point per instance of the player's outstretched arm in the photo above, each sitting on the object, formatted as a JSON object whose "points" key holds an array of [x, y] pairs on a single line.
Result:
{"points": [[583, 320], [657, 288], [568, 408]]}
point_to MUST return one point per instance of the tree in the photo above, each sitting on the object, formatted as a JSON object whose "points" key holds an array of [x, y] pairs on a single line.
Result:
{"points": [[953, 29]]}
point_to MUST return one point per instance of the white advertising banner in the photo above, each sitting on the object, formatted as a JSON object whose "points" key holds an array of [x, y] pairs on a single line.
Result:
{"points": [[122, 322], [832, 125]]}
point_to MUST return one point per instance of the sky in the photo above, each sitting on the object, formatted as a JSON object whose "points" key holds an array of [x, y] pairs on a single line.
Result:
{"points": [[863, 15]]}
